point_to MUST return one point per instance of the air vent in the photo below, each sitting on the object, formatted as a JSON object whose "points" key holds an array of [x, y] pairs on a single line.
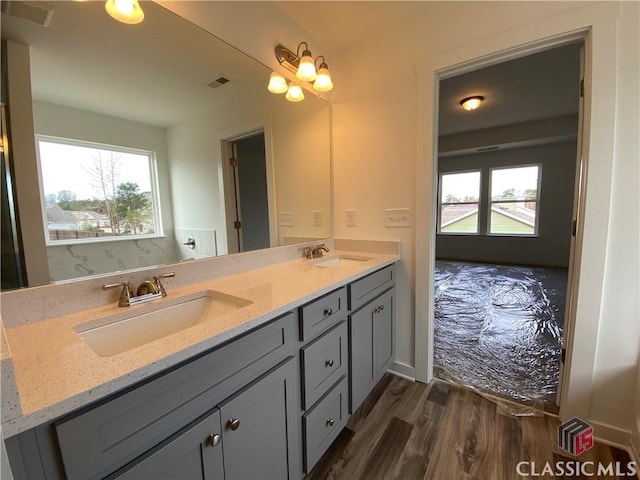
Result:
{"points": [[488, 149], [39, 13], [221, 80]]}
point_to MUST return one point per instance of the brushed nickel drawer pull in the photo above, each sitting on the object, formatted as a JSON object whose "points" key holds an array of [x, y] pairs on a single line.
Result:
{"points": [[328, 311], [330, 422], [233, 423], [328, 363]]}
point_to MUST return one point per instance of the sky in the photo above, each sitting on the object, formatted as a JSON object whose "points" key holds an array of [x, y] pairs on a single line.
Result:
{"points": [[64, 167], [467, 184]]}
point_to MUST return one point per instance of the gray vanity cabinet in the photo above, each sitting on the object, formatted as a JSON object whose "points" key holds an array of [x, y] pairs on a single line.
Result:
{"points": [[194, 453], [371, 335], [245, 437]]}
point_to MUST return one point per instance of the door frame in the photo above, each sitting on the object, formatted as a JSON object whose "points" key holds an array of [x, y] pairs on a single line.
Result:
{"points": [[592, 223], [228, 193]]}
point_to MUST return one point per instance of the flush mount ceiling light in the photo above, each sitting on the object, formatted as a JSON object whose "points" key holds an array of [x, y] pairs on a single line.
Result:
{"points": [[471, 103], [304, 67], [125, 11]]}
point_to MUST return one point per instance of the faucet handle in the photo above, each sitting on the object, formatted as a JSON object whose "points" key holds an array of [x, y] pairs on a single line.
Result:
{"points": [[125, 294], [158, 283]]}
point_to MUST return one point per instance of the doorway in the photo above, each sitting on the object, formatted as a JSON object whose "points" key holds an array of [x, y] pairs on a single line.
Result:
{"points": [[246, 193], [506, 203]]}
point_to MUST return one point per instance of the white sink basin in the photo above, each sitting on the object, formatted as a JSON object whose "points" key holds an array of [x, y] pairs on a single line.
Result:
{"points": [[123, 335], [340, 260]]}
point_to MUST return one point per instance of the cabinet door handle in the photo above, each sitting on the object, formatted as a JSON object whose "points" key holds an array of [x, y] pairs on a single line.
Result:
{"points": [[213, 440], [378, 309], [328, 363], [330, 422], [233, 424], [328, 311]]}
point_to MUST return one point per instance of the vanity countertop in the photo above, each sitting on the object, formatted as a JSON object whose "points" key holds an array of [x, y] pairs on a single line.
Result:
{"points": [[56, 372]]}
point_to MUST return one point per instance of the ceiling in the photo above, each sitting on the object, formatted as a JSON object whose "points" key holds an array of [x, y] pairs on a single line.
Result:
{"points": [[177, 68], [536, 87], [87, 60]]}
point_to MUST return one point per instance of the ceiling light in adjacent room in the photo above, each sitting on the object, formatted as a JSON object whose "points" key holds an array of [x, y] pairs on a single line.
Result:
{"points": [[125, 11], [471, 103]]}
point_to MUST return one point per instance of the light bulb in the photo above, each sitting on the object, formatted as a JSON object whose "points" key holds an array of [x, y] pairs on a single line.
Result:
{"points": [[323, 81], [125, 11], [471, 103], [306, 68], [295, 93], [277, 83]]}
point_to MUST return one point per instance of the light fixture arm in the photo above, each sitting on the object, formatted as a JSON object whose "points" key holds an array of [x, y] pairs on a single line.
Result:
{"points": [[323, 64], [305, 51]]}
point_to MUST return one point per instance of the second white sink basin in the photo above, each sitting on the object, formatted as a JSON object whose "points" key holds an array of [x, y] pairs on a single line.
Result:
{"points": [[340, 260], [123, 335]]}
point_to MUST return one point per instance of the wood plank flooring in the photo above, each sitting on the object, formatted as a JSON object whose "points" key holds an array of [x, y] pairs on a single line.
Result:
{"points": [[409, 430]]}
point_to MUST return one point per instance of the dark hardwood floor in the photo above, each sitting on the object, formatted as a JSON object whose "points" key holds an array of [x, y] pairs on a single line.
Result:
{"points": [[409, 430]]}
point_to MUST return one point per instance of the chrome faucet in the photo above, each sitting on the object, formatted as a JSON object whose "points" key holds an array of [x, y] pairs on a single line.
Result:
{"points": [[146, 291]]}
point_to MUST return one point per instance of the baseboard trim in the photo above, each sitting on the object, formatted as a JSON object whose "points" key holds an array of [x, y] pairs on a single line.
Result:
{"points": [[403, 370], [610, 435]]}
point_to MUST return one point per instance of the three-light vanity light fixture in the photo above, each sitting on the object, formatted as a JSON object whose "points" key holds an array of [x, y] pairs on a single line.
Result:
{"points": [[304, 66]]}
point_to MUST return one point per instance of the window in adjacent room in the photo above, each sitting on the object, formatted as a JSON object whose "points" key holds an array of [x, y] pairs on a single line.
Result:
{"points": [[514, 200], [92, 192], [459, 202]]}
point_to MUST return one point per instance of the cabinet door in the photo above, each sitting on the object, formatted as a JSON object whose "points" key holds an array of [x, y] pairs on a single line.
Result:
{"points": [[361, 356], [383, 333], [259, 427], [193, 453]]}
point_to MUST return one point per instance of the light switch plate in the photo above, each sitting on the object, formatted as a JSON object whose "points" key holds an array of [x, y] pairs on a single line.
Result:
{"points": [[350, 218], [317, 218], [286, 219], [397, 217]]}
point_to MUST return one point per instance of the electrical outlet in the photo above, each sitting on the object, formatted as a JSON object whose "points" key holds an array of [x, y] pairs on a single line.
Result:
{"points": [[350, 218], [286, 219], [317, 218], [397, 217]]}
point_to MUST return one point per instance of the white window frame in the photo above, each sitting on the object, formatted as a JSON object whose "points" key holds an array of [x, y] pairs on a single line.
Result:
{"points": [[441, 203], [155, 194], [537, 201]]}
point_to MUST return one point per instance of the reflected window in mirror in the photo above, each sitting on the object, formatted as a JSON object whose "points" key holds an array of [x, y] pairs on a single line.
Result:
{"points": [[92, 192]]}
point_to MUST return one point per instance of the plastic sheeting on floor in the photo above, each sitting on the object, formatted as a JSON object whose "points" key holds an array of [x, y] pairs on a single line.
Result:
{"points": [[498, 329]]}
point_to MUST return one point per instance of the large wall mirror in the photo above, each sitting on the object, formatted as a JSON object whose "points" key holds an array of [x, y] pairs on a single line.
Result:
{"points": [[183, 99]]}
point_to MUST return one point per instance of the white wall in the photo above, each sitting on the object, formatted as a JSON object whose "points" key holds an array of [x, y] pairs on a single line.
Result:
{"points": [[66, 122]]}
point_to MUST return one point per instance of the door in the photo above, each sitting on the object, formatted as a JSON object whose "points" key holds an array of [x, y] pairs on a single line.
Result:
{"points": [[251, 200], [361, 355], [194, 453], [257, 424], [383, 341]]}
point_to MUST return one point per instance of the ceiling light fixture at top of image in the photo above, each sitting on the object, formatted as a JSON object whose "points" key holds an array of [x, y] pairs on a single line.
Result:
{"points": [[471, 103], [125, 11]]}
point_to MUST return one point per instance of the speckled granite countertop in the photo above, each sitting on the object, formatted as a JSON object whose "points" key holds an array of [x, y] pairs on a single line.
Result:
{"points": [[56, 372]]}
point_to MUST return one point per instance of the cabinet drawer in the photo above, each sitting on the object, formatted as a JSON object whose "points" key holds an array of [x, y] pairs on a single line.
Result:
{"points": [[323, 362], [96, 442], [323, 423], [319, 315], [363, 290]]}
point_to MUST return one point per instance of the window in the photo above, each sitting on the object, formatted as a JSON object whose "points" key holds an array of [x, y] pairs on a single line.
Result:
{"points": [[459, 201], [93, 192], [514, 200]]}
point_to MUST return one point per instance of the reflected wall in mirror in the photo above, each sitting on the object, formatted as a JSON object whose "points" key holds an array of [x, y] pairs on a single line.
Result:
{"points": [[160, 87]]}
